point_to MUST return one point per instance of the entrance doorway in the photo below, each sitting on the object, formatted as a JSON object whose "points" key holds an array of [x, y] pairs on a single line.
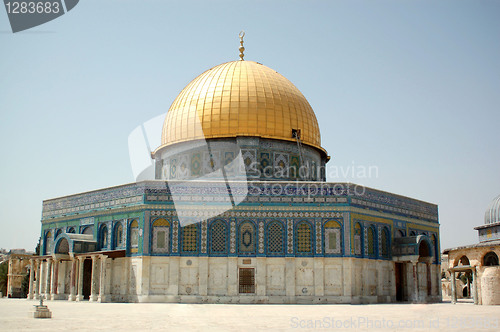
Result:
{"points": [[87, 278], [247, 280], [400, 282]]}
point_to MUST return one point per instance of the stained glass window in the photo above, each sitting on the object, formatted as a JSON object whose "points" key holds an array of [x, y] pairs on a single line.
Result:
{"points": [[119, 235], [218, 237], [104, 237], [384, 245], [371, 241], [247, 238], [48, 242], [190, 238], [275, 238], [304, 238]]}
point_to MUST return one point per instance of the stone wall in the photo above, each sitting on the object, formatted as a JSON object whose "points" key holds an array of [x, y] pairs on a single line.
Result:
{"points": [[277, 280]]}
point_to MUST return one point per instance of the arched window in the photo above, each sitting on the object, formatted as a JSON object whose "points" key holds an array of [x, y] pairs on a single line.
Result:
{"points": [[134, 234], [218, 237], [63, 247], [435, 245], [89, 230], [371, 242], [304, 238], [358, 249], [118, 235], [246, 243], [413, 233], [399, 233], [385, 242], [71, 230], [190, 238], [58, 232], [275, 236], [103, 237], [490, 259], [333, 240], [48, 242], [161, 236], [464, 260]]}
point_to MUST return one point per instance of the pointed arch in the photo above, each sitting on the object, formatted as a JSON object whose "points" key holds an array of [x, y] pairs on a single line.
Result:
{"points": [[160, 243], [134, 233], [246, 238], [371, 241], [89, 230], [48, 242], [490, 259], [62, 247], [332, 238], [118, 235], [385, 242], [103, 237]]}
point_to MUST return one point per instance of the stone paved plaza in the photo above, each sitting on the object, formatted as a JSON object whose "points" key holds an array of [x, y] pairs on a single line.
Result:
{"points": [[84, 316]]}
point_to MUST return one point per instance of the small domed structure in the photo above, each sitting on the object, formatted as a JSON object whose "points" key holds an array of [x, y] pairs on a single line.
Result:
{"points": [[492, 214]]}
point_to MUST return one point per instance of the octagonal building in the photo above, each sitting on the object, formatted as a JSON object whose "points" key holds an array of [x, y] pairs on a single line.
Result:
{"points": [[239, 212]]}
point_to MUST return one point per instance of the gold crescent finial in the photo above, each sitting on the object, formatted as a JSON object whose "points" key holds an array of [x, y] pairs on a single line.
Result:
{"points": [[242, 34]]}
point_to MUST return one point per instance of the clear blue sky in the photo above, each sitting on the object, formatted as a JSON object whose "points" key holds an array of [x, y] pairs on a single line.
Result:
{"points": [[412, 87]]}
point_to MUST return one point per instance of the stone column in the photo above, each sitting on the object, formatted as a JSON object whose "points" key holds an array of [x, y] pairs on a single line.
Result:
{"points": [[37, 277], [10, 271], [453, 288], [415, 281], [40, 278], [474, 280], [260, 276], [429, 281], [319, 282], [203, 276], [48, 269], [232, 276], [102, 280], [53, 279], [72, 281], [32, 278], [469, 294], [93, 284], [79, 297], [290, 279]]}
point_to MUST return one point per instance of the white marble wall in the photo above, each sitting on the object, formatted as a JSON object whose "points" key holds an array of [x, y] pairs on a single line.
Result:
{"points": [[277, 280]]}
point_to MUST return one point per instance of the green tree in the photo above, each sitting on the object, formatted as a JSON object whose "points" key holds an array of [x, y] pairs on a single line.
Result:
{"points": [[25, 285], [4, 269], [37, 248]]}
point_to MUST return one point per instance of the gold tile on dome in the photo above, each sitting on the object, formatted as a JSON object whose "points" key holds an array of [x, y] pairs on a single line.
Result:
{"points": [[241, 98]]}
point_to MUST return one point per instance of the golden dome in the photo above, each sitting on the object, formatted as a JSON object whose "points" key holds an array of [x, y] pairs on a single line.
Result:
{"points": [[240, 98]]}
